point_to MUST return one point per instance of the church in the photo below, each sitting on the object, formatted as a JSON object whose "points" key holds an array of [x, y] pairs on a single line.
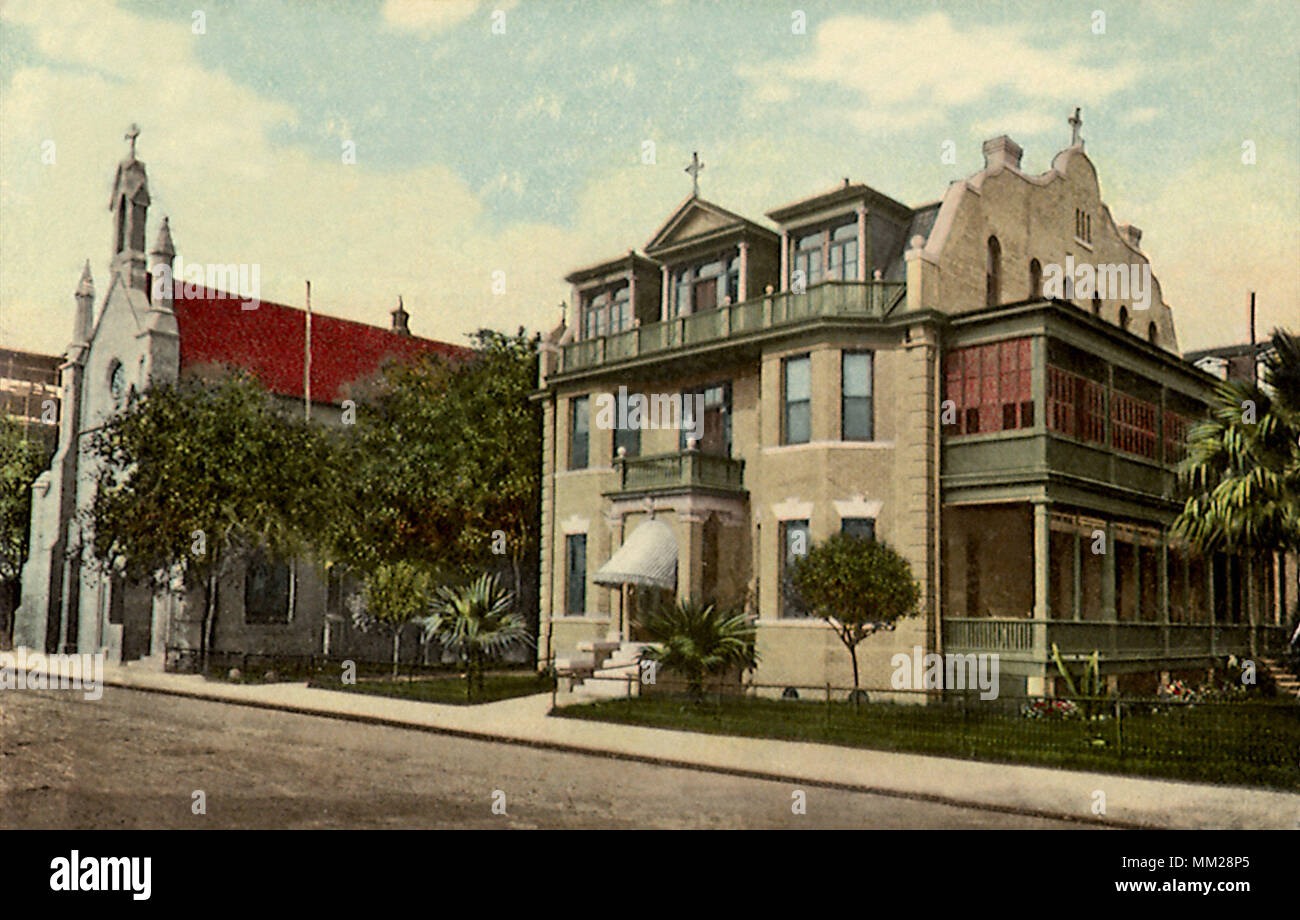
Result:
{"points": [[151, 328]]}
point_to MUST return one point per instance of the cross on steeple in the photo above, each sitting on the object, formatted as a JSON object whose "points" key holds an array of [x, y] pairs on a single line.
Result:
{"points": [[131, 134], [694, 170], [1076, 122]]}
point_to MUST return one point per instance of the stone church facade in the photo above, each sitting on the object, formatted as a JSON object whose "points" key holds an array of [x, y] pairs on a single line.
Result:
{"points": [[150, 329]]}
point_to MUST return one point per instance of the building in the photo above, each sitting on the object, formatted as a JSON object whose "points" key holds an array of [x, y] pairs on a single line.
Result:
{"points": [[29, 393], [143, 333], [990, 382], [1233, 362]]}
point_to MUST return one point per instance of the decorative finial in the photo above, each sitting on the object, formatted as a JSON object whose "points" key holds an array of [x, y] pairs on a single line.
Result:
{"points": [[86, 285], [694, 170], [1076, 122], [564, 312], [131, 134]]}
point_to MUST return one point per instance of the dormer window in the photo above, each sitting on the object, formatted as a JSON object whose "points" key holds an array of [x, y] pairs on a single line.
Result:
{"points": [[607, 311], [706, 285], [829, 253]]}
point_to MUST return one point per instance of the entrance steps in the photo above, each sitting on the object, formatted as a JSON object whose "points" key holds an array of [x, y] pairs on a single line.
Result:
{"points": [[604, 668], [1288, 684]]}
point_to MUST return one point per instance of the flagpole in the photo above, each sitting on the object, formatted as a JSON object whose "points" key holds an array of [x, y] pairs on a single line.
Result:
{"points": [[306, 364]]}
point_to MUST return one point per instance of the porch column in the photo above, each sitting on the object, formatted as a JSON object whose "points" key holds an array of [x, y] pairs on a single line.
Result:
{"points": [[690, 557], [1042, 599], [785, 260], [664, 294], [864, 245], [742, 292]]}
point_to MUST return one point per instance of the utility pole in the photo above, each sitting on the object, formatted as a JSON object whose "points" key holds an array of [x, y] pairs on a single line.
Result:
{"points": [[306, 363], [1254, 356]]}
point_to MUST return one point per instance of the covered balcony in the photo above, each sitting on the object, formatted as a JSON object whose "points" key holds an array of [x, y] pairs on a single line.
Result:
{"points": [[680, 470], [749, 318]]}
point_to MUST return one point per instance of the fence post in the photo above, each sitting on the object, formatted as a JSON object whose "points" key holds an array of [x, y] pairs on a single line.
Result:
{"points": [[1119, 728]]}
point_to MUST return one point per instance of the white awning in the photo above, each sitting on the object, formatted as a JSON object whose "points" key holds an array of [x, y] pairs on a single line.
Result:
{"points": [[648, 557]]}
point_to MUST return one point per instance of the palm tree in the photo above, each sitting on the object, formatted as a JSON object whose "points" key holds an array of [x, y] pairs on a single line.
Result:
{"points": [[1243, 463], [477, 622], [697, 640]]}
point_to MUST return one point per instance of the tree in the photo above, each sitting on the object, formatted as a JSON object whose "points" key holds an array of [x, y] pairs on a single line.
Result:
{"points": [[699, 640], [857, 586], [396, 595], [476, 622], [1243, 463], [190, 475], [21, 460], [444, 463]]}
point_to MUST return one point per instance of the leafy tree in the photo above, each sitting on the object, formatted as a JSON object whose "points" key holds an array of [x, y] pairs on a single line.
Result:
{"points": [[21, 460], [1243, 463], [476, 622], [191, 474], [699, 640], [444, 463], [396, 594], [857, 586]]}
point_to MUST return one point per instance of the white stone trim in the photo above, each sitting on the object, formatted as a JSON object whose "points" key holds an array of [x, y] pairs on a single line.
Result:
{"points": [[817, 445], [858, 507], [792, 510]]}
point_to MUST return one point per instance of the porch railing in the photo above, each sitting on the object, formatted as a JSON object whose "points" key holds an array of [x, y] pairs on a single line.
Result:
{"points": [[681, 469]]}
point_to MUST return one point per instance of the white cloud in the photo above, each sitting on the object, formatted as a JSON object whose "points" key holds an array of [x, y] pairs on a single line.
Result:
{"points": [[428, 16], [913, 72], [1140, 115]]}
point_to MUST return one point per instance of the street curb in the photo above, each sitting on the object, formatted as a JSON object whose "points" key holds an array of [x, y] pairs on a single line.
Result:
{"points": [[933, 798]]}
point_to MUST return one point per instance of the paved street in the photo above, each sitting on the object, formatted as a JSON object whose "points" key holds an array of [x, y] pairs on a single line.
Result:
{"points": [[133, 759]]}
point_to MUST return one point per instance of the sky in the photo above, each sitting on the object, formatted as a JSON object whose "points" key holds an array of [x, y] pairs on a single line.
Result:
{"points": [[467, 155]]}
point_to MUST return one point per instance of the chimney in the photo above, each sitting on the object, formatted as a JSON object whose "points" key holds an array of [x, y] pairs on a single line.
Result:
{"points": [[1132, 234], [1001, 151], [400, 316]]}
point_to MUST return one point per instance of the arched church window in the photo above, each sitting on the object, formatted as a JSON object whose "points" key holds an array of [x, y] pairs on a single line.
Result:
{"points": [[1123, 317], [1035, 278], [1152, 333], [993, 273]]}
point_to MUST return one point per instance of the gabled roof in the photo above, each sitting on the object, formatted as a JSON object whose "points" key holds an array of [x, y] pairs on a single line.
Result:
{"points": [[842, 193], [270, 342], [696, 217]]}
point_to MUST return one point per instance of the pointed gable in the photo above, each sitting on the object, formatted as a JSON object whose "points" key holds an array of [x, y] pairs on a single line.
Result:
{"points": [[696, 218]]}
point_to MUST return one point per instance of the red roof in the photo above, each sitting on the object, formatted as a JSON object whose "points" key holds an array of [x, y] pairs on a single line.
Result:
{"points": [[269, 342]]}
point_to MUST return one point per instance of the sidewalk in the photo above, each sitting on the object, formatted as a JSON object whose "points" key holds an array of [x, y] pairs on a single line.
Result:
{"points": [[1129, 801]]}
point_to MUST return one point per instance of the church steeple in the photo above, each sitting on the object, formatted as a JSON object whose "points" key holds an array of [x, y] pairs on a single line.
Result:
{"points": [[130, 207], [161, 258], [85, 307]]}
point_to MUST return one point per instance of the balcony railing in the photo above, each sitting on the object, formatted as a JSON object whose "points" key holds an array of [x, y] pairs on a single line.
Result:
{"points": [[865, 299], [1112, 640], [684, 469]]}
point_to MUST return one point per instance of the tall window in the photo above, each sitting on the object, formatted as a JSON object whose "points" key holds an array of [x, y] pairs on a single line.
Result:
{"points": [[628, 440], [829, 253], [715, 431], [1152, 333], [579, 432], [991, 387], [707, 285], [797, 400], [607, 312], [856, 419], [1123, 318], [993, 274], [794, 545], [1035, 278], [266, 590], [858, 528], [575, 580]]}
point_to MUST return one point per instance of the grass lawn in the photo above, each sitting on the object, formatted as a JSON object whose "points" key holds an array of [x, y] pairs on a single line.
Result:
{"points": [[449, 688], [1252, 744]]}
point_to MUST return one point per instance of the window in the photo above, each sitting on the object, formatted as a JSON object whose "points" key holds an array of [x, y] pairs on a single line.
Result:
{"points": [[1133, 425], [794, 545], [858, 528], [993, 273], [856, 421], [1096, 304], [1175, 437], [830, 253], [607, 312], [715, 432], [704, 286], [1123, 318], [797, 400], [266, 590], [1152, 333], [991, 387], [1076, 406], [1082, 225], [579, 432], [628, 440], [575, 581], [1035, 278]]}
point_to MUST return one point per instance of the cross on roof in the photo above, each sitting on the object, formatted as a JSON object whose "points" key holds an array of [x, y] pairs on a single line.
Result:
{"points": [[131, 134], [694, 170], [1076, 122]]}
